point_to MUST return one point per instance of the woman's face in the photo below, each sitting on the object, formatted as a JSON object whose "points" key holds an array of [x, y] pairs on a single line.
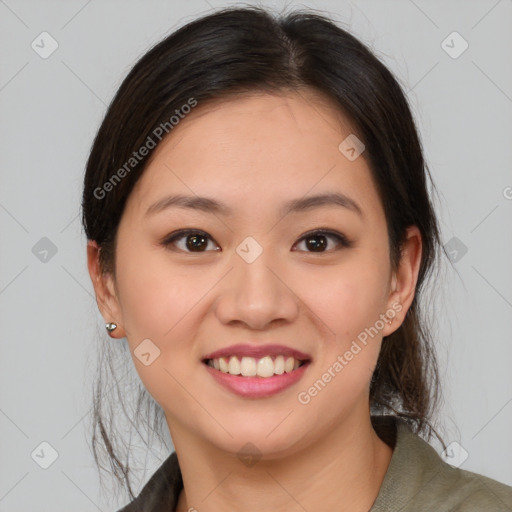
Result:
{"points": [[252, 279]]}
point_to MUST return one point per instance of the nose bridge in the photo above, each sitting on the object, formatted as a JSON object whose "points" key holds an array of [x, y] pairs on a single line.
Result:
{"points": [[252, 271], [254, 292]]}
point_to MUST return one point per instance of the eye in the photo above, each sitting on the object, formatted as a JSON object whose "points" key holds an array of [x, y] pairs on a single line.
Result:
{"points": [[197, 240], [317, 240]]}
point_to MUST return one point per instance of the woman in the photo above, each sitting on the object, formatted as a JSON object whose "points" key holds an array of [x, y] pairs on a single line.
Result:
{"points": [[259, 230]]}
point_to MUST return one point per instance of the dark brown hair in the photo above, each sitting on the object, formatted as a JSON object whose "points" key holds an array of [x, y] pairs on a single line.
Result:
{"points": [[242, 50]]}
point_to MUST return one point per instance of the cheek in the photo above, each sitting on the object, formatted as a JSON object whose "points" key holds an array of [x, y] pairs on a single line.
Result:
{"points": [[156, 305], [155, 297], [349, 301], [161, 304], [347, 298], [350, 305]]}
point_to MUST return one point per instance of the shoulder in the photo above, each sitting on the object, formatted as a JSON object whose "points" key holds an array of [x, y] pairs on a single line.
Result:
{"points": [[477, 492], [419, 480]]}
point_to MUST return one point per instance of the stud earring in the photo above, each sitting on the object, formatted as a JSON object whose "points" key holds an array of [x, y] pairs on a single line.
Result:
{"points": [[111, 327]]}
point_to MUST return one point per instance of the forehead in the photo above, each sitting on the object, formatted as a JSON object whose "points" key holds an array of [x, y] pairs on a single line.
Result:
{"points": [[258, 147], [280, 117]]}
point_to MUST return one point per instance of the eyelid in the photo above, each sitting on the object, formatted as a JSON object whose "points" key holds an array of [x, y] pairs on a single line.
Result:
{"points": [[327, 232], [176, 235]]}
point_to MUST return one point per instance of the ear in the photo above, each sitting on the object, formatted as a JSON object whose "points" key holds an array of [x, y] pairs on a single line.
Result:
{"points": [[403, 281], [106, 296]]}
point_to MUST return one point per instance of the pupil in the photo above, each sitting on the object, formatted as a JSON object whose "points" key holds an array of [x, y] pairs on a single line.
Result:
{"points": [[195, 241], [310, 242]]}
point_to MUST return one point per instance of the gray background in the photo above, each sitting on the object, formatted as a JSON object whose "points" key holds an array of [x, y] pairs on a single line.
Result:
{"points": [[50, 111]]}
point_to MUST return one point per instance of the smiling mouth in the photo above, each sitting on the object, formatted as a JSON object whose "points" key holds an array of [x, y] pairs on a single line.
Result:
{"points": [[267, 366]]}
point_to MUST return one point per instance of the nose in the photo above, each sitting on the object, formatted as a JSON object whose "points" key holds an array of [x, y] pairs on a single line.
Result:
{"points": [[256, 294]]}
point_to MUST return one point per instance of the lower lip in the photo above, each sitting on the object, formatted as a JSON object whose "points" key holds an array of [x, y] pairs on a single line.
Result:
{"points": [[257, 387]]}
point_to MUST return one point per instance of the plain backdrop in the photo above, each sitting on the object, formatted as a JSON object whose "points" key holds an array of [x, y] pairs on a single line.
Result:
{"points": [[50, 110]]}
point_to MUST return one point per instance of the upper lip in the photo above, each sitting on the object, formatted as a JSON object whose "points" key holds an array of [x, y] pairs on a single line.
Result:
{"points": [[258, 351]]}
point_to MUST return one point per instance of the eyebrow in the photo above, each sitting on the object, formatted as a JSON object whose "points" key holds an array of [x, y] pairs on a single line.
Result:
{"points": [[212, 206]]}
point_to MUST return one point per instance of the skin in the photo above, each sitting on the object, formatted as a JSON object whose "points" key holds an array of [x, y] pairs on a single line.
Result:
{"points": [[253, 153]]}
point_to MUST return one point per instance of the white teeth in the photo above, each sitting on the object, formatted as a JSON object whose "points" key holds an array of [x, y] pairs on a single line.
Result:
{"points": [[279, 365], [234, 366], [265, 367], [248, 366], [251, 367], [223, 365]]}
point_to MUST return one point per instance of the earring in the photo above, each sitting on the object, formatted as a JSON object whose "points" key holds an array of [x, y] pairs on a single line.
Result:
{"points": [[390, 321], [110, 326]]}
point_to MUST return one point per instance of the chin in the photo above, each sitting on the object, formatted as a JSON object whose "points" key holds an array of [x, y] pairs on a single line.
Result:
{"points": [[257, 448], [261, 437]]}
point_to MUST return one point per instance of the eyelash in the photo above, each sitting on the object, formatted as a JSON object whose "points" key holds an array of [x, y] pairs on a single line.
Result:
{"points": [[342, 239]]}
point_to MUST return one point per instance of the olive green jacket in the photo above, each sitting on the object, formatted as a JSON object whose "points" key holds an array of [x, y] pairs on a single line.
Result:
{"points": [[417, 480]]}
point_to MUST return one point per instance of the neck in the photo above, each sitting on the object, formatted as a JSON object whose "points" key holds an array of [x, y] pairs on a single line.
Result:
{"points": [[342, 471]]}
